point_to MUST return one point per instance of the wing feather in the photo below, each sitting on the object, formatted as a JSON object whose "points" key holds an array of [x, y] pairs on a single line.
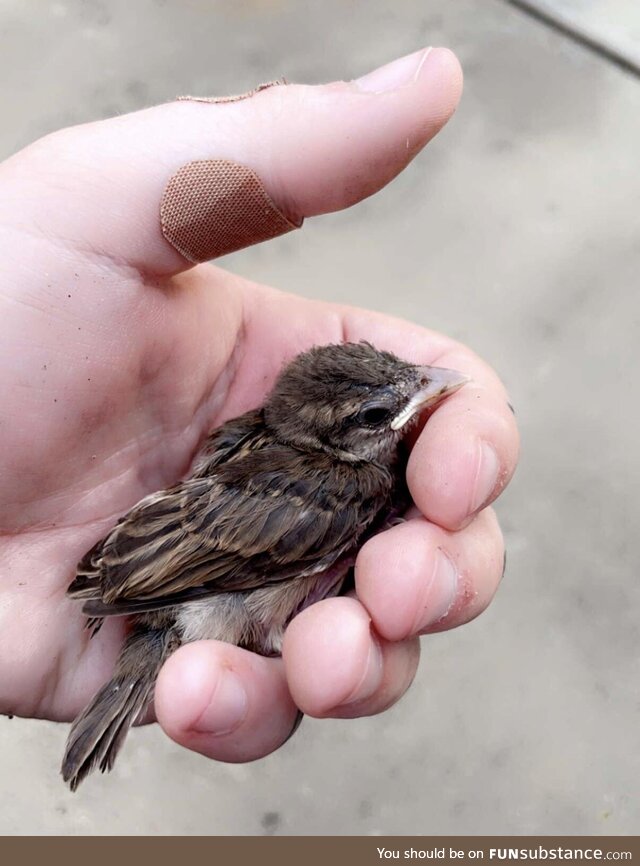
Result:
{"points": [[262, 513]]}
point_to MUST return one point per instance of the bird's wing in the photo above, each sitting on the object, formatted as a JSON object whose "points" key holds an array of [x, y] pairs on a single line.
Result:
{"points": [[229, 442], [265, 518]]}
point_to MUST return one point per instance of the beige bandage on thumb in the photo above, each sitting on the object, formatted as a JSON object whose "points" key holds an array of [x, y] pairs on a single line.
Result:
{"points": [[212, 207]]}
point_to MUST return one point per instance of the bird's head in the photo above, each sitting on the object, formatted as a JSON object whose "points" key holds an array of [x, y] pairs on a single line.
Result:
{"points": [[353, 400]]}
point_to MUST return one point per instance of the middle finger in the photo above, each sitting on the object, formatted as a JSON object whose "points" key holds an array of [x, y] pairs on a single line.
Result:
{"points": [[417, 577]]}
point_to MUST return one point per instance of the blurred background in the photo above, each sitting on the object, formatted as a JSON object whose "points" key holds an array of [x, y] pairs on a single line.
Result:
{"points": [[518, 232]]}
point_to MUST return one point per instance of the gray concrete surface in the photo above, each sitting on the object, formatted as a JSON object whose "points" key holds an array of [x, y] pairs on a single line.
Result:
{"points": [[518, 231], [610, 25]]}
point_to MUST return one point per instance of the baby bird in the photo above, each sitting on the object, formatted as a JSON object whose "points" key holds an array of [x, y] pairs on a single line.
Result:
{"points": [[278, 503]]}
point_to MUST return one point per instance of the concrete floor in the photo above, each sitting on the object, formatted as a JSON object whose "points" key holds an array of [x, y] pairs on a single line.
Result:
{"points": [[517, 232], [612, 26]]}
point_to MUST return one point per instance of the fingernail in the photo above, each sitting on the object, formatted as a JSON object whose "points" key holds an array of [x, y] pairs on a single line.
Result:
{"points": [[227, 708], [396, 74], [371, 678], [440, 593], [486, 476]]}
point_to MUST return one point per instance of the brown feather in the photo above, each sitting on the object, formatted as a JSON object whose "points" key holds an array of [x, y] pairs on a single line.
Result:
{"points": [[99, 731], [269, 514]]}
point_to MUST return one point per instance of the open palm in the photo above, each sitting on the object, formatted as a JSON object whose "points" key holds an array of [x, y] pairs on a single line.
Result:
{"points": [[117, 358]]}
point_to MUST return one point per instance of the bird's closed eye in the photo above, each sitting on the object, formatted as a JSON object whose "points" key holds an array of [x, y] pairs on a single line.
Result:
{"points": [[374, 414]]}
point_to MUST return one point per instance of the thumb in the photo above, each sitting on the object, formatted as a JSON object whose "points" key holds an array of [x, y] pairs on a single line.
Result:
{"points": [[302, 150]]}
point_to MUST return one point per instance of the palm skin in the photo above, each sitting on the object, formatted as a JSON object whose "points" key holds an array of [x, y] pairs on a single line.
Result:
{"points": [[112, 373], [122, 429]]}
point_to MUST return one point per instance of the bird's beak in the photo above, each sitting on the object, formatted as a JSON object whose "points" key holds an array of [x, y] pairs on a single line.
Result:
{"points": [[440, 383]]}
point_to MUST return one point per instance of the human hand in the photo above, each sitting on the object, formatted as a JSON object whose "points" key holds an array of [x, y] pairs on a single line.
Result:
{"points": [[117, 358]]}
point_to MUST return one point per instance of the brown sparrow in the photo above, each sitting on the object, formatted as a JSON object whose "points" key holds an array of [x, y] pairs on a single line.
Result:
{"points": [[270, 520]]}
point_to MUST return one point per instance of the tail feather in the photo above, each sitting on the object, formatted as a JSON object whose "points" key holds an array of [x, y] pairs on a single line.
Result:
{"points": [[98, 733], [94, 738]]}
